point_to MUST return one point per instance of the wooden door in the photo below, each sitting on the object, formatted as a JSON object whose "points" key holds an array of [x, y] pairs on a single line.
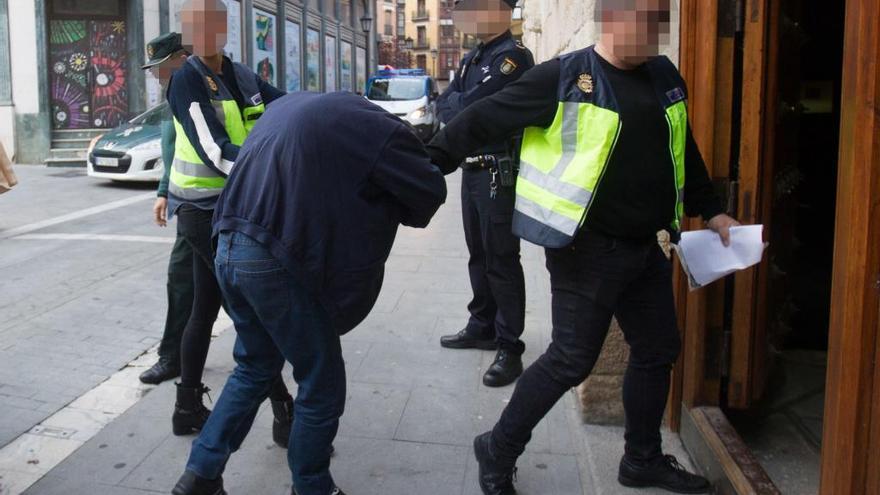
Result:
{"points": [[851, 436], [748, 368]]}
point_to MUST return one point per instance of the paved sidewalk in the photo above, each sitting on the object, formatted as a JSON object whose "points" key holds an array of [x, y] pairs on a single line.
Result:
{"points": [[412, 412]]}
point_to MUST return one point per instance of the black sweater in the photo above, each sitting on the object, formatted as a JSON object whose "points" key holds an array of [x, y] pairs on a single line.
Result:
{"points": [[636, 197]]}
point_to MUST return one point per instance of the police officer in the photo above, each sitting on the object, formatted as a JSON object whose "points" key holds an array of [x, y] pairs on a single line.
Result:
{"points": [[498, 305], [215, 104], [608, 160], [166, 55]]}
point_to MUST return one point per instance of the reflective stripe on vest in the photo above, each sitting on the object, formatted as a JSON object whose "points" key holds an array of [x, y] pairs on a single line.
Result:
{"points": [[190, 178], [562, 165]]}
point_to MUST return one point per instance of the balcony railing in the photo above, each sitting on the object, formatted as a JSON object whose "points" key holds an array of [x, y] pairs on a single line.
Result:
{"points": [[422, 44], [421, 15]]}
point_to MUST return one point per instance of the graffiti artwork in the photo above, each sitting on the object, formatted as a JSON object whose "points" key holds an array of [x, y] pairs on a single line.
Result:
{"points": [[109, 95], [69, 80], [88, 73]]}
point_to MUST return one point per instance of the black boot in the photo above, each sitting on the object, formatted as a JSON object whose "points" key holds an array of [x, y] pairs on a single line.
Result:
{"points": [[664, 472], [466, 340], [161, 371], [496, 478], [283, 412], [505, 370], [190, 413], [192, 484]]}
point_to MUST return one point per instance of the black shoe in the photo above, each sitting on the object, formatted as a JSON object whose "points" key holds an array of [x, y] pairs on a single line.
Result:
{"points": [[192, 484], [190, 413], [282, 410], [665, 472], [505, 370], [160, 372], [465, 340], [495, 478]]}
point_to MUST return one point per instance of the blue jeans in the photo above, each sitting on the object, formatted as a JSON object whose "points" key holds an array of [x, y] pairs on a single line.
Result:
{"points": [[276, 319]]}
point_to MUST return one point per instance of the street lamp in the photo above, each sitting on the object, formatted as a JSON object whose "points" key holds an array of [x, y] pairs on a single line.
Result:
{"points": [[434, 60], [366, 23]]}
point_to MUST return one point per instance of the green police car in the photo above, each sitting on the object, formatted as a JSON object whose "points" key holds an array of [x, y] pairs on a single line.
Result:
{"points": [[132, 151]]}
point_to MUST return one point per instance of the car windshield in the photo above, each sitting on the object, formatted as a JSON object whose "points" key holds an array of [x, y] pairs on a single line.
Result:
{"points": [[154, 116], [397, 89]]}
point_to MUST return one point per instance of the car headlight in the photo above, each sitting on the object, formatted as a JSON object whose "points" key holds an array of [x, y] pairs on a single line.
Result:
{"points": [[418, 113], [154, 145], [92, 143]]}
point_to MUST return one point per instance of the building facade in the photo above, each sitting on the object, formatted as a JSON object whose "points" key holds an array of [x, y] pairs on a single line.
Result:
{"points": [[71, 68], [432, 39]]}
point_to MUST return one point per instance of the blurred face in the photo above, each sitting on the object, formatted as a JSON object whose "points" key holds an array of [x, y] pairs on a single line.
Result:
{"points": [[163, 71], [482, 18], [203, 26], [637, 28]]}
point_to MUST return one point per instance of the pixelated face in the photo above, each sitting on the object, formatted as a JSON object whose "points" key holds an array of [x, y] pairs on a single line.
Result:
{"points": [[482, 18], [203, 26], [163, 71], [638, 27]]}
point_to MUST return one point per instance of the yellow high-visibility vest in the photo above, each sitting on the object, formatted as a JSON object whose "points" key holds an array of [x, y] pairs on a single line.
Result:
{"points": [[561, 166], [190, 179]]}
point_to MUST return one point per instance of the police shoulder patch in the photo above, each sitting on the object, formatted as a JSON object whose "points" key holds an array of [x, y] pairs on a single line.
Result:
{"points": [[508, 66], [211, 84]]}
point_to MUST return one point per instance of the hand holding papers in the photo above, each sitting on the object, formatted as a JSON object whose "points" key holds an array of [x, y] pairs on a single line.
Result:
{"points": [[705, 259]]}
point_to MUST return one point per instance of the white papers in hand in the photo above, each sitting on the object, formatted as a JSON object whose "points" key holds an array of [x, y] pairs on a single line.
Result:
{"points": [[705, 259]]}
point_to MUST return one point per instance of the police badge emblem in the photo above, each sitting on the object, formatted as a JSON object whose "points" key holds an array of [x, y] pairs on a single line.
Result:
{"points": [[150, 51], [508, 66], [585, 83], [211, 84]]}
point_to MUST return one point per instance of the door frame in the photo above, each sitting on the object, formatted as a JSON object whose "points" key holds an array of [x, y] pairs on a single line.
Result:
{"points": [[852, 406]]}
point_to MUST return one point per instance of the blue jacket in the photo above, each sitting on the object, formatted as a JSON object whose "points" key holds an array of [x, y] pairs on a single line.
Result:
{"points": [[323, 181], [484, 71], [188, 93]]}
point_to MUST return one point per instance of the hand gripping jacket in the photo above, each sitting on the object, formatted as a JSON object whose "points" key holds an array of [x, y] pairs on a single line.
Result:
{"points": [[191, 179], [562, 166]]}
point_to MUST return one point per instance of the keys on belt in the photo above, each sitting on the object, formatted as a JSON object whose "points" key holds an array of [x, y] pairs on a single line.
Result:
{"points": [[501, 167]]}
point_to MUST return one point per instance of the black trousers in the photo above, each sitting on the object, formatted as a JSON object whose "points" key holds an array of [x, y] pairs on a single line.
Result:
{"points": [[196, 227], [180, 299], [499, 301], [595, 278]]}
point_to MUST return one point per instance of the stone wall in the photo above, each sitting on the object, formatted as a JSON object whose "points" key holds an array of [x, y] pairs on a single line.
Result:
{"points": [[550, 28]]}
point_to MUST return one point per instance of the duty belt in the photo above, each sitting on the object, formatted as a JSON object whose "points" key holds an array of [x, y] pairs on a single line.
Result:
{"points": [[480, 162]]}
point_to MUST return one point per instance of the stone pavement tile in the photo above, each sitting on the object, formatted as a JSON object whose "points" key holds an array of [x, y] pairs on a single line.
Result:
{"points": [[397, 329], [260, 467], [537, 474], [390, 364], [604, 447], [373, 410], [448, 416], [15, 421], [114, 452], [161, 468], [437, 303], [53, 485], [385, 467], [15, 481], [36, 454], [81, 424]]}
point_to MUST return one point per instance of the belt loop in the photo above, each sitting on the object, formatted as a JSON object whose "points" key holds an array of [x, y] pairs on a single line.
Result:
{"points": [[229, 236]]}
